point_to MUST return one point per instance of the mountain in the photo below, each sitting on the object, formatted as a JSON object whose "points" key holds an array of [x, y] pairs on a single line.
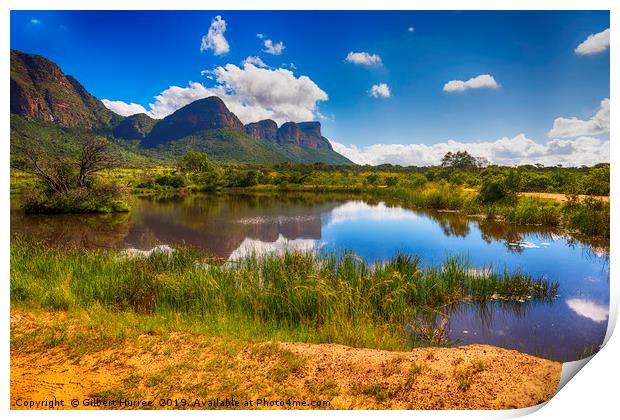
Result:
{"points": [[134, 127], [306, 134], [263, 130], [209, 126], [46, 102], [203, 114], [40, 90]]}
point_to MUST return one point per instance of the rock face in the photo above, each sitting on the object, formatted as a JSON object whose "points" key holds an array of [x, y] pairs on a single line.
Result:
{"points": [[307, 134], [263, 130], [134, 127], [40, 90], [203, 114]]}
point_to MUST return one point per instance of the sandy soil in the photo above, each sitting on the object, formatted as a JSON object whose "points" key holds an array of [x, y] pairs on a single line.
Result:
{"points": [[185, 365], [553, 196], [561, 197]]}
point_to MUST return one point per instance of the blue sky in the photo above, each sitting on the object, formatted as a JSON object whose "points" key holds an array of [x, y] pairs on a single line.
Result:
{"points": [[531, 57]]}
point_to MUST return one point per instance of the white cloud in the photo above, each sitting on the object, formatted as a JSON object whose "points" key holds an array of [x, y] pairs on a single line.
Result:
{"points": [[364, 59], [410, 29], [260, 36], [589, 309], [252, 93], [273, 48], [214, 39], [573, 127], [505, 151], [251, 246], [123, 108], [594, 44], [358, 210], [478, 82], [381, 90], [35, 21], [255, 60]]}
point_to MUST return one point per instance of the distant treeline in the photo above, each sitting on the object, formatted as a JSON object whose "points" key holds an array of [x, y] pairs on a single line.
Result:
{"points": [[589, 180]]}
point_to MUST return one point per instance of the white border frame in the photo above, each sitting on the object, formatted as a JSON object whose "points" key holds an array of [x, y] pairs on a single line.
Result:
{"points": [[592, 395]]}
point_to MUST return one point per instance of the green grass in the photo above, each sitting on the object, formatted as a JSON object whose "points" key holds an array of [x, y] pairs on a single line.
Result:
{"points": [[291, 297]]}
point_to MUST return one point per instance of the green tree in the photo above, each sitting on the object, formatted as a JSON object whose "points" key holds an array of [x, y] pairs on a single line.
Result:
{"points": [[391, 181], [462, 160], [373, 179], [193, 161]]}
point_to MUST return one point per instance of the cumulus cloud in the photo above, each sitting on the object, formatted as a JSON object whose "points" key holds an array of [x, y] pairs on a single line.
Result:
{"points": [[381, 90], [251, 246], [478, 82], [255, 60], [252, 93], [410, 29], [214, 39], [123, 108], [589, 309], [274, 48], [594, 44], [573, 127], [364, 59], [504, 151]]}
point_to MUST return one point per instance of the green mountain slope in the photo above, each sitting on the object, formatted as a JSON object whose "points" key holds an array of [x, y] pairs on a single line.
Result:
{"points": [[225, 145]]}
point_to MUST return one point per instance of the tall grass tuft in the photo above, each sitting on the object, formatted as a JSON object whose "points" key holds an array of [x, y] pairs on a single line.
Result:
{"points": [[326, 297]]}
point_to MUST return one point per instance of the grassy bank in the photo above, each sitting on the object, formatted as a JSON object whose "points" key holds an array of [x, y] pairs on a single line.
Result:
{"points": [[291, 297], [588, 216]]}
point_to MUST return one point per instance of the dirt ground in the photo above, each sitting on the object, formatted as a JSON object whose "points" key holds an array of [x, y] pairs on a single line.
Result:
{"points": [[187, 367], [562, 197]]}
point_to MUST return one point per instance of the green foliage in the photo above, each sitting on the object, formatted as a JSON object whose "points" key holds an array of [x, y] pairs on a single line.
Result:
{"points": [[193, 161], [597, 180], [535, 212], [97, 199], [590, 217], [499, 186], [461, 160], [170, 180], [391, 181], [372, 179], [321, 297]]}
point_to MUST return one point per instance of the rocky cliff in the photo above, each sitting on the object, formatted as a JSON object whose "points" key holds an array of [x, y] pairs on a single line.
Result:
{"points": [[40, 90]]}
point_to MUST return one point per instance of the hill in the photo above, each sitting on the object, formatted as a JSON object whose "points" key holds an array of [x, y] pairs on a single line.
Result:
{"points": [[53, 106]]}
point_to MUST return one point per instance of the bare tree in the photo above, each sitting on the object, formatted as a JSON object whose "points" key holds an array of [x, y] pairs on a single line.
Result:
{"points": [[59, 170], [95, 156]]}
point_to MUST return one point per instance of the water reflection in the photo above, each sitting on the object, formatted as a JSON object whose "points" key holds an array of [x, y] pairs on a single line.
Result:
{"points": [[589, 309], [233, 226]]}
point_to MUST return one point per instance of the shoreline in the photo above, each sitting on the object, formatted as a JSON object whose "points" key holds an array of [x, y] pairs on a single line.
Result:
{"points": [[192, 366]]}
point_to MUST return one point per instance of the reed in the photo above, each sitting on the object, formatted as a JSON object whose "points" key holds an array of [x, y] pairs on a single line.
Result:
{"points": [[318, 297]]}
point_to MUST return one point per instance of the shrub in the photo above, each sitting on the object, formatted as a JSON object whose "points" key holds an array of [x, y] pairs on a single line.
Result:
{"points": [[96, 199], [391, 181], [170, 180]]}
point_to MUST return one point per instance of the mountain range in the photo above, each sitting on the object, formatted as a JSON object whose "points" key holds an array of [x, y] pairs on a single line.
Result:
{"points": [[45, 100]]}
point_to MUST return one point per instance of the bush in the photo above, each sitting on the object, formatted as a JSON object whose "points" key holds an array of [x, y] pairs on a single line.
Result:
{"points": [[391, 181], [591, 217], [535, 212], [96, 199], [372, 179], [171, 180]]}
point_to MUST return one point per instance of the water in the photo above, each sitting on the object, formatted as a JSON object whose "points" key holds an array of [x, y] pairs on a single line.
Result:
{"points": [[231, 226]]}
